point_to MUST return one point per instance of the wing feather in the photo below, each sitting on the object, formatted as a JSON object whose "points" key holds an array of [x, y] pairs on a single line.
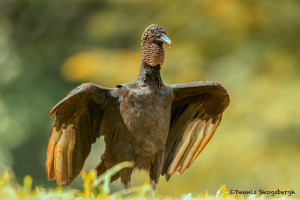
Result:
{"points": [[208, 135], [175, 132], [70, 152], [60, 158], [75, 128], [197, 139], [183, 145], [54, 138], [196, 113]]}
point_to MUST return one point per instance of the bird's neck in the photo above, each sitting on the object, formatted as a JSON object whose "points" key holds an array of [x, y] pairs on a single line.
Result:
{"points": [[152, 52], [149, 76]]}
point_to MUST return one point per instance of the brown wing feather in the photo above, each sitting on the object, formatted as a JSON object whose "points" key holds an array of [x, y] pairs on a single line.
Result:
{"points": [[196, 113], [54, 138], [76, 127]]}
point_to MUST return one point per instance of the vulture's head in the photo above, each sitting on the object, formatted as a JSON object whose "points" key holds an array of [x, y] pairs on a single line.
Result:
{"points": [[156, 34], [152, 45]]}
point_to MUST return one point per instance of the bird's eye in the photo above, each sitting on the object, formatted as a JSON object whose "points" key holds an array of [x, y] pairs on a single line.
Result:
{"points": [[152, 31]]}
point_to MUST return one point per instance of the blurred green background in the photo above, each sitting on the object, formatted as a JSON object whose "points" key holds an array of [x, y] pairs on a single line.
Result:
{"points": [[251, 47]]}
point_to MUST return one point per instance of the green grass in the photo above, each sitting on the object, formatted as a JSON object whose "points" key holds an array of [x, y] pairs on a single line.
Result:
{"points": [[95, 188]]}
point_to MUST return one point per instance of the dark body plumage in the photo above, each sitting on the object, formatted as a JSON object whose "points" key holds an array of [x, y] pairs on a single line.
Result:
{"points": [[161, 128]]}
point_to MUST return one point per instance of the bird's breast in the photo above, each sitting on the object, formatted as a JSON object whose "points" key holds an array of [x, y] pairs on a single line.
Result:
{"points": [[146, 114]]}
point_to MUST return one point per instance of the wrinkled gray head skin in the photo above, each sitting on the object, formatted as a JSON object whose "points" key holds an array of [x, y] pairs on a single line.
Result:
{"points": [[155, 33], [152, 45]]}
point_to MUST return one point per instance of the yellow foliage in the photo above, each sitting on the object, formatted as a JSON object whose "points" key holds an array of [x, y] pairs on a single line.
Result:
{"points": [[11, 190]]}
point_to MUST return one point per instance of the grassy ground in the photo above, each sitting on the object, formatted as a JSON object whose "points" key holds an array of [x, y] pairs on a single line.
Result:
{"points": [[95, 188]]}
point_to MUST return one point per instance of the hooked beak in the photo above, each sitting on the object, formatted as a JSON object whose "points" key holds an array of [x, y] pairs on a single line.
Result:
{"points": [[165, 39]]}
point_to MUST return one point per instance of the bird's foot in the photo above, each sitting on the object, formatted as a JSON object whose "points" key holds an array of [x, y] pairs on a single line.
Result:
{"points": [[127, 185], [153, 185]]}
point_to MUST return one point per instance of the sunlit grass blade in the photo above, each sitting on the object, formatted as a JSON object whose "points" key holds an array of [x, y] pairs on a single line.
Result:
{"points": [[105, 178]]}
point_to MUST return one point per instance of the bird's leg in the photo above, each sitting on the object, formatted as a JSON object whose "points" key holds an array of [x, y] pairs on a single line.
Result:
{"points": [[115, 177], [156, 168], [127, 185], [125, 175], [125, 152], [153, 184]]}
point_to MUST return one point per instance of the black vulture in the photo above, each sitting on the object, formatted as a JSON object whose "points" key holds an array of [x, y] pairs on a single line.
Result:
{"points": [[161, 128]]}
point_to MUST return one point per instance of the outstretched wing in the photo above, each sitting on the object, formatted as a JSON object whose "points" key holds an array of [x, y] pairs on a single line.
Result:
{"points": [[196, 113], [76, 127]]}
